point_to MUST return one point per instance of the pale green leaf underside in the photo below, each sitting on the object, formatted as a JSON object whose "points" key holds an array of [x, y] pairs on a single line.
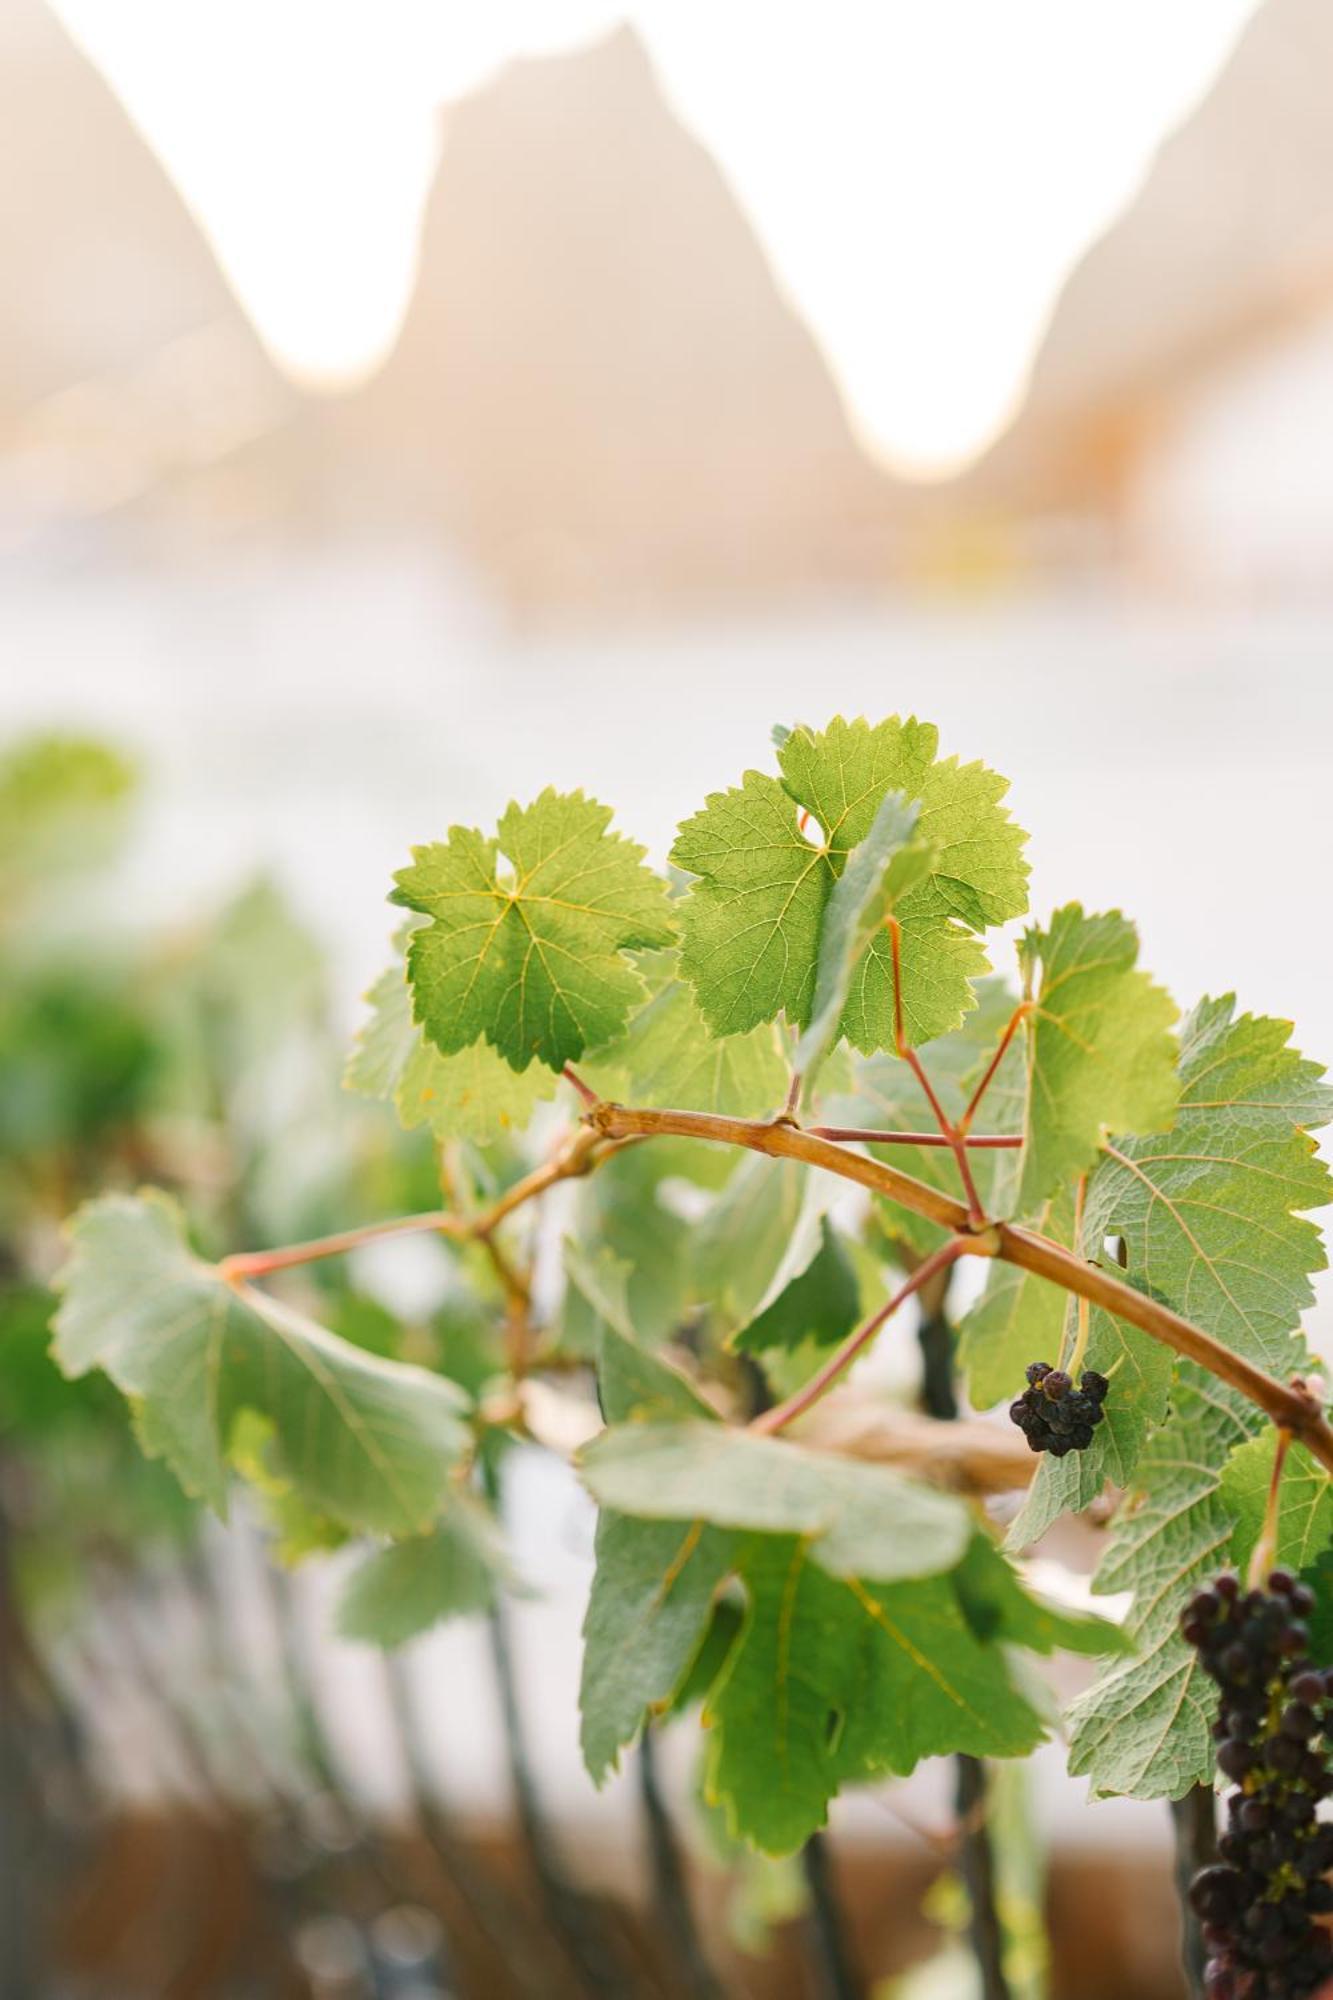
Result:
{"points": [[859, 1519], [631, 1381], [820, 1303], [1210, 1210], [1144, 1728], [1101, 1057], [753, 920], [831, 1678], [1206, 1214], [876, 874], [669, 1056], [532, 960], [624, 1208], [1209, 1217], [647, 1615], [472, 1095], [404, 1589], [385, 1040], [760, 1233], [1305, 1503], [369, 1442]]}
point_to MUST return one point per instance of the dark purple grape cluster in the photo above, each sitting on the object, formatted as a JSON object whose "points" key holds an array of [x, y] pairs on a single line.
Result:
{"points": [[1261, 1904], [1053, 1415]]}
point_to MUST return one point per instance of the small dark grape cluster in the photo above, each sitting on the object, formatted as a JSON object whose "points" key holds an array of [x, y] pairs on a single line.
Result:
{"points": [[1260, 1905], [1053, 1415]]}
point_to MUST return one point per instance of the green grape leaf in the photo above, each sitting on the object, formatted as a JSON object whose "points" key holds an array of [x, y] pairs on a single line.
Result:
{"points": [[834, 1680], [403, 1590], [648, 1616], [631, 1382], [821, 1303], [532, 961], [1305, 1503], [297, 1530], [384, 1043], [828, 1674], [669, 1056], [753, 919], [1189, 1208], [999, 1607], [760, 1233], [621, 1207], [860, 1519], [654, 1583], [876, 875], [594, 1295], [472, 1095], [1209, 1212], [724, 1628], [1144, 1728], [369, 1442], [1101, 1057]]}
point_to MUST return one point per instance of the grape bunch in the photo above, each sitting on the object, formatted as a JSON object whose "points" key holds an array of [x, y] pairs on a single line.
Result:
{"points": [[1261, 1905], [1053, 1415]]}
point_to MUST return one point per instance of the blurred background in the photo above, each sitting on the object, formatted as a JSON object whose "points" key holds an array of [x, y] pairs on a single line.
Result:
{"points": [[404, 407]]}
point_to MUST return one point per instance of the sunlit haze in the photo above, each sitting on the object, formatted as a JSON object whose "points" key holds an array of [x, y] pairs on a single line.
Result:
{"points": [[922, 173]]}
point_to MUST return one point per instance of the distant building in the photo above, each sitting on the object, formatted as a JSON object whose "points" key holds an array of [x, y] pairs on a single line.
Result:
{"points": [[599, 392], [1180, 411], [126, 363]]}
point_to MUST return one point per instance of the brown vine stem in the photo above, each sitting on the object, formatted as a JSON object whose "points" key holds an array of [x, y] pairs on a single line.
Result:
{"points": [[1295, 1409], [953, 1138], [582, 1152], [781, 1414], [1016, 1019], [585, 1090], [607, 1126], [865, 1136], [783, 1141]]}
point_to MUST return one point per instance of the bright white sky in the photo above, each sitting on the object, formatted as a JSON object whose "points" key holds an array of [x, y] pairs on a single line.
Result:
{"points": [[922, 173]]}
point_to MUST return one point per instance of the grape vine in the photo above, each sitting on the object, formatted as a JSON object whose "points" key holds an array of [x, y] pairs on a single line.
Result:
{"points": [[785, 1094]]}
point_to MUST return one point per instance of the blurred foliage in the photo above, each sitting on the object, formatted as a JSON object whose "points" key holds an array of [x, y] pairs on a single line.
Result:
{"points": [[204, 1059]]}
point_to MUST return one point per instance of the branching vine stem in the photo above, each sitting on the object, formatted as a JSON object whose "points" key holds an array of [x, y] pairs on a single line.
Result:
{"points": [[607, 1126], [809, 1393], [584, 1150], [857, 1135], [951, 1134], [1294, 1408], [1016, 1021]]}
